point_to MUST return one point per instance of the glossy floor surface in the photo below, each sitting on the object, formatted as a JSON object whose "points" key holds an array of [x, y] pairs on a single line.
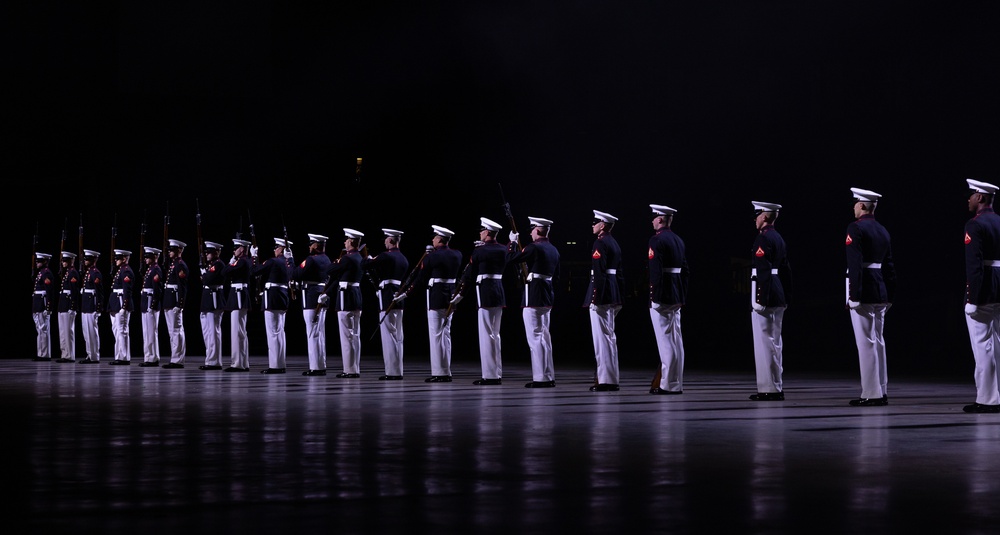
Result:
{"points": [[116, 449]]}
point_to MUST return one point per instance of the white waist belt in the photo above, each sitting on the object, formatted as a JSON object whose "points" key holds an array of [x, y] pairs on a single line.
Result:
{"points": [[482, 276], [214, 288], [611, 271], [67, 292], [89, 291], [753, 271], [432, 282], [533, 276], [991, 263], [346, 284], [39, 292], [671, 270], [238, 285], [274, 285], [878, 265], [307, 284], [170, 286], [147, 291], [118, 290], [389, 281]]}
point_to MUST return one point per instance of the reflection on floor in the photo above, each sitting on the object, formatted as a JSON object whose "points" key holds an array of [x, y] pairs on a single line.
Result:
{"points": [[113, 448]]}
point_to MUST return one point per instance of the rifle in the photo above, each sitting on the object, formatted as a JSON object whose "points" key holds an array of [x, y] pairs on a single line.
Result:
{"points": [[197, 221], [62, 245], [80, 242], [253, 242], [114, 234], [166, 230], [522, 273], [319, 306], [458, 290], [142, 248], [288, 247], [34, 251], [402, 288], [357, 172]]}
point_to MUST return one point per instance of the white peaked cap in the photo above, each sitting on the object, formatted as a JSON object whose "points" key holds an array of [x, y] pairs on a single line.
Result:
{"points": [[240, 243], [318, 238], [213, 245], [392, 232], [353, 234], [489, 224], [982, 187], [766, 206], [152, 250], [539, 222], [177, 243], [604, 216], [441, 231], [865, 195], [88, 252], [660, 209], [281, 242]]}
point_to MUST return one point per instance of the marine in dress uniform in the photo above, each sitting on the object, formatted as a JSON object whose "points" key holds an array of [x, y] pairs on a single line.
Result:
{"points": [[438, 272], [91, 306], [542, 261], [390, 269], [604, 299], [213, 300], [120, 306], [668, 288], [982, 293], [871, 287], [237, 275], [311, 276], [345, 288], [175, 292], [43, 299], [274, 272], [485, 274], [150, 305], [770, 293], [69, 304]]}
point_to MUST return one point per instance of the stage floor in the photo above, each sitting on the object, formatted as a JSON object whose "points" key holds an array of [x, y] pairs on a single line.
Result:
{"points": [[116, 449]]}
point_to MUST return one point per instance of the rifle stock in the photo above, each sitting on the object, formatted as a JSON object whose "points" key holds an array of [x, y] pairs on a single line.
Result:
{"points": [[201, 245], [253, 242], [62, 246], [79, 253], [522, 271], [402, 288]]}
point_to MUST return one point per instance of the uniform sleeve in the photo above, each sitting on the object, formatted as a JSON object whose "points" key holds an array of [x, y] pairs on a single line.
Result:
{"points": [[854, 262], [973, 263]]}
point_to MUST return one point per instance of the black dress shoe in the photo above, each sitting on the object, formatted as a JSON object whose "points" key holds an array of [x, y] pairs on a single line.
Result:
{"points": [[172, 366], [768, 396], [979, 408], [65, 360], [870, 402], [119, 362], [662, 392], [482, 382], [89, 361], [235, 369], [154, 364], [604, 387], [390, 378], [210, 367], [348, 375], [314, 373], [540, 384], [271, 371], [42, 359], [438, 379]]}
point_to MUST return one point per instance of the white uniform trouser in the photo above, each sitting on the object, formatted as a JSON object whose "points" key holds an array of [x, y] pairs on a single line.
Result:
{"points": [[150, 335], [175, 330], [119, 326], [667, 328], [315, 337], [537, 322], [868, 320], [489, 342], [44, 339], [67, 334], [211, 332], [439, 333], [985, 338], [274, 326], [391, 330], [350, 339], [238, 343], [602, 328], [91, 335], [766, 326]]}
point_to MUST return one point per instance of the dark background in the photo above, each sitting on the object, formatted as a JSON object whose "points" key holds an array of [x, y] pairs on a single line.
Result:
{"points": [[128, 112]]}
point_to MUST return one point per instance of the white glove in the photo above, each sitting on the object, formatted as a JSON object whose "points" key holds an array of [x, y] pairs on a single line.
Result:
{"points": [[204, 271], [456, 299], [323, 298], [757, 307], [513, 236], [399, 298], [970, 309], [253, 251], [429, 248], [853, 304], [288, 254], [232, 260]]}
